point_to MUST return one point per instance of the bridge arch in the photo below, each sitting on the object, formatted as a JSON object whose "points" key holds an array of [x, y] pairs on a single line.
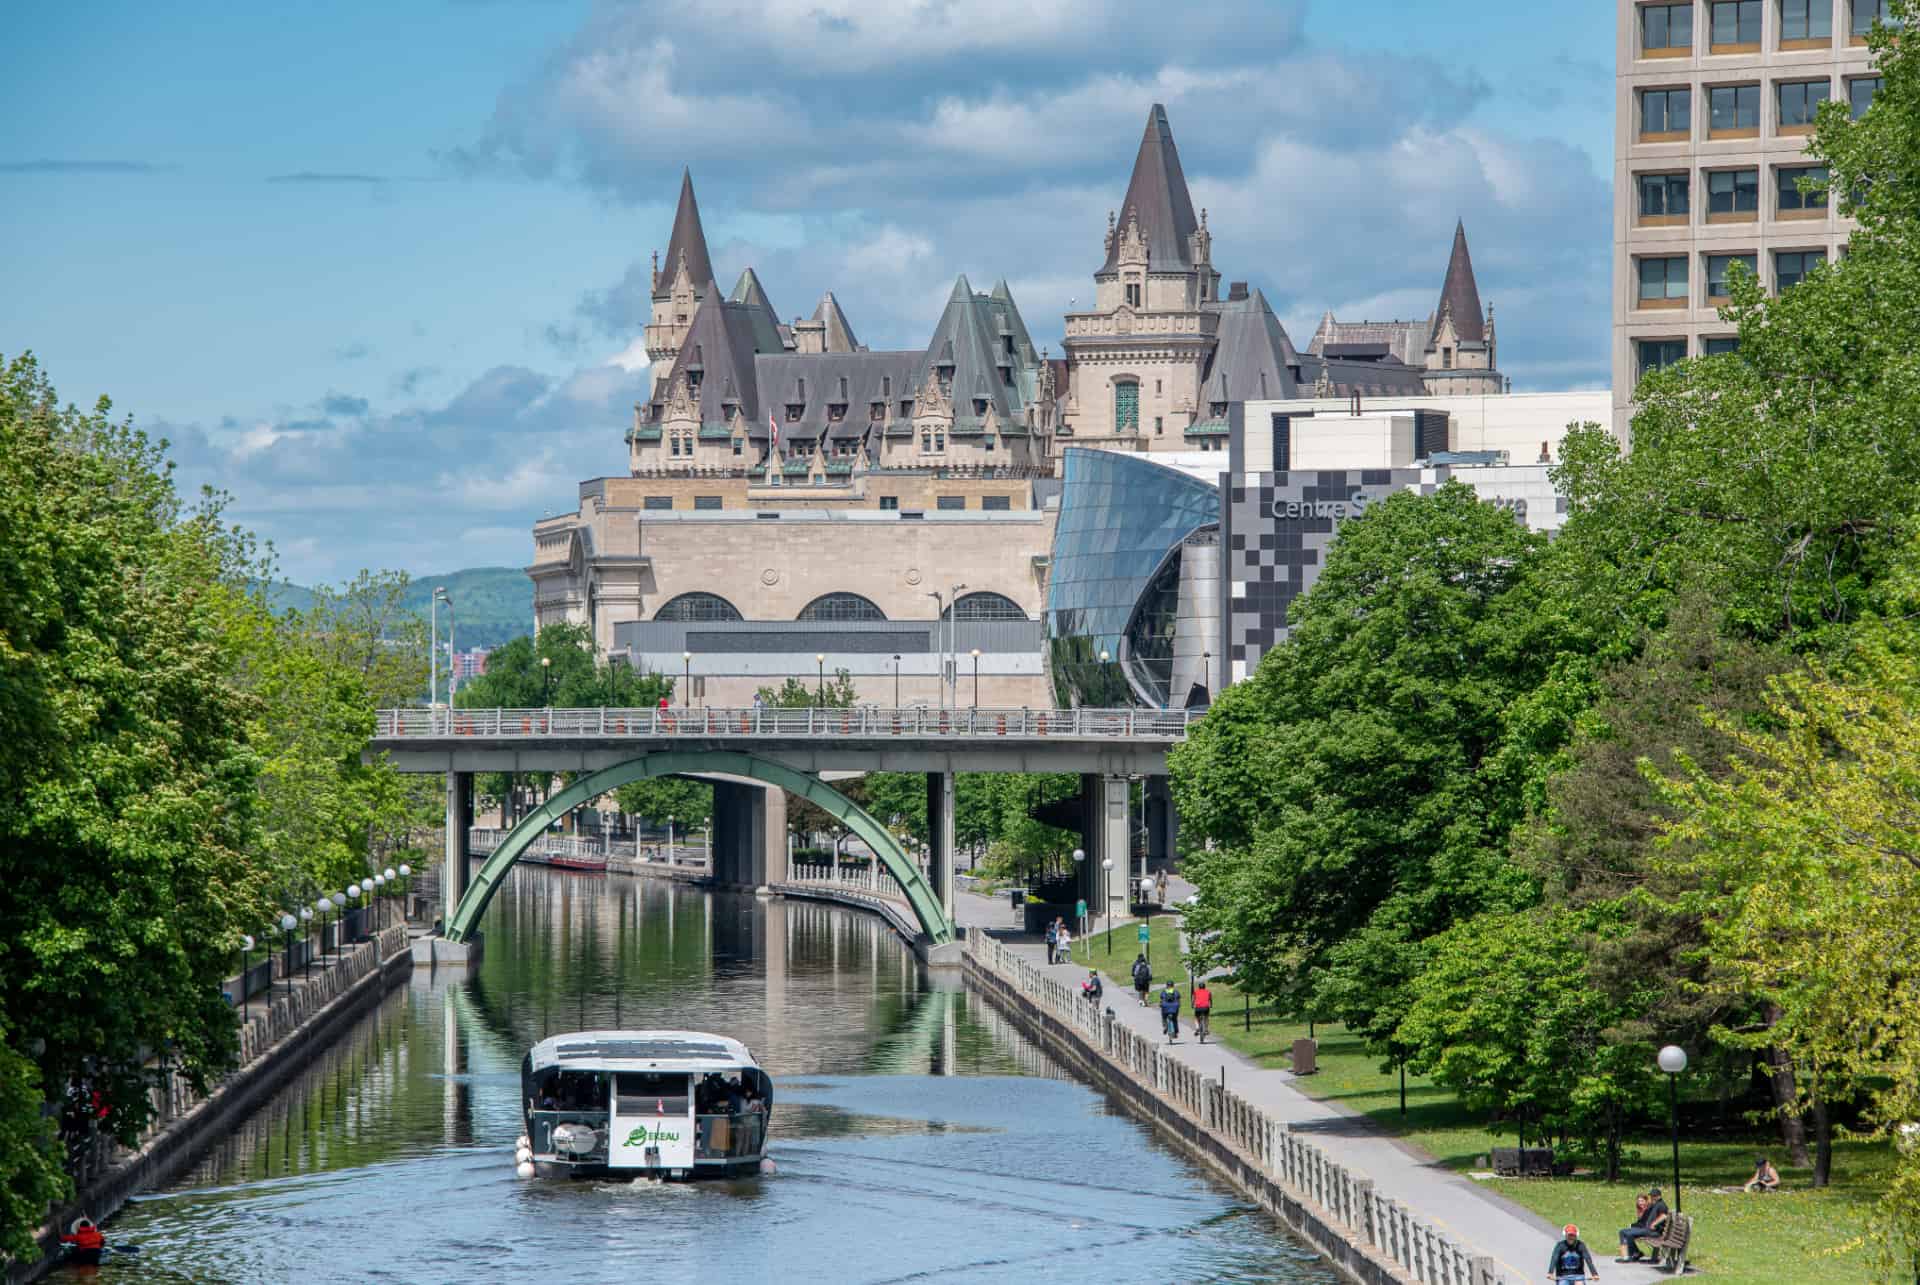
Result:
{"points": [[906, 872]]}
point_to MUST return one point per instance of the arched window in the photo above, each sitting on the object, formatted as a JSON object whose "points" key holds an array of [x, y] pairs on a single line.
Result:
{"points": [[1126, 406], [840, 606], [984, 606], [690, 607]]}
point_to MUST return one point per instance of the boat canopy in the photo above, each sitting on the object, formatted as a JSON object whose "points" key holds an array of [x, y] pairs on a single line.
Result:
{"points": [[687, 1051]]}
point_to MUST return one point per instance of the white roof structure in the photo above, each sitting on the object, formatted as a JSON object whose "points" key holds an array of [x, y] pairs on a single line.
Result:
{"points": [[689, 1051]]}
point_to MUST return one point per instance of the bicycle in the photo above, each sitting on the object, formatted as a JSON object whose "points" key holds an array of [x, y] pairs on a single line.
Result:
{"points": [[1202, 1024]]}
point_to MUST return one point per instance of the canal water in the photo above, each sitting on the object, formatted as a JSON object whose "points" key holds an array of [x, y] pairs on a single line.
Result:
{"points": [[917, 1136]]}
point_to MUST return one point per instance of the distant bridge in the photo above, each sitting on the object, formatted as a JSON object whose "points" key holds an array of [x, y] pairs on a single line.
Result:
{"points": [[749, 750]]}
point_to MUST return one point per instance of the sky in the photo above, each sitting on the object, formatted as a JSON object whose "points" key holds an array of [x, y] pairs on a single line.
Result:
{"points": [[379, 270]]}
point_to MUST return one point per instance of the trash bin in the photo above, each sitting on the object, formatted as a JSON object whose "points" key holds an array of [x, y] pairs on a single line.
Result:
{"points": [[1016, 897], [1306, 1057]]}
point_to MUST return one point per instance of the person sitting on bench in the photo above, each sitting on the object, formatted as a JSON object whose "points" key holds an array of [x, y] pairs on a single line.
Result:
{"points": [[1648, 1226]]}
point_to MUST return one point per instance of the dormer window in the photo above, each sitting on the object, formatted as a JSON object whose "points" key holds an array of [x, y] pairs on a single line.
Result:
{"points": [[876, 412], [693, 378], [793, 412], [836, 411], [1217, 409], [980, 406], [1006, 342], [1133, 294], [945, 372], [906, 408]]}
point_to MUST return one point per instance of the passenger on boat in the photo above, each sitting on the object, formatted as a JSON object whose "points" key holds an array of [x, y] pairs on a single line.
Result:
{"points": [[86, 1240]]}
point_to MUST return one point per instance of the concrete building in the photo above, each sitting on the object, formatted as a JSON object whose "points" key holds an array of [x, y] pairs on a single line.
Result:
{"points": [[1713, 105]]}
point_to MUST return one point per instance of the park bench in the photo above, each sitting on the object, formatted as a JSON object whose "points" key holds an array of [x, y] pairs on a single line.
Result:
{"points": [[1670, 1251], [1528, 1162]]}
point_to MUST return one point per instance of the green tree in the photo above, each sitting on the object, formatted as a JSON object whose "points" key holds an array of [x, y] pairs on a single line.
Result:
{"points": [[661, 797], [835, 692], [127, 787]]}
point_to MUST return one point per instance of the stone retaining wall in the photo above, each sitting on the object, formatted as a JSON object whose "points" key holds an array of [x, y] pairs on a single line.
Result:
{"points": [[273, 1046], [1369, 1238]]}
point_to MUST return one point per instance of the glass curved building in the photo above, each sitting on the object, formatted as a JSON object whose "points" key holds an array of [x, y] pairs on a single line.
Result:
{"points": [[1114, 589]]}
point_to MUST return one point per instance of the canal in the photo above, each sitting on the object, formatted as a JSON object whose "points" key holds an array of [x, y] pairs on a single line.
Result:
{"points": [[916, 1135]]}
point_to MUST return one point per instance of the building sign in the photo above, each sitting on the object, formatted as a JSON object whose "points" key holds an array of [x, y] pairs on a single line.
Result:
{"points": [[1355, 503]]}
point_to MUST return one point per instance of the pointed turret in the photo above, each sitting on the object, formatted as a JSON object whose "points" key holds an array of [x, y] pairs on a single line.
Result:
{"points": [[837, 333], [1157, 196], [1459, 295], [688, 243]]}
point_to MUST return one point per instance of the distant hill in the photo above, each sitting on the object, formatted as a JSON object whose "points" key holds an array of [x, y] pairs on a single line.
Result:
{"points": [[491, 604]]}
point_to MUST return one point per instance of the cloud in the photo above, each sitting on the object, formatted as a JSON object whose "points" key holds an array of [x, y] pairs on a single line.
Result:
{"points": [[409, 488], [49, 166], [354, 351], [311, 176], [408, 381]]}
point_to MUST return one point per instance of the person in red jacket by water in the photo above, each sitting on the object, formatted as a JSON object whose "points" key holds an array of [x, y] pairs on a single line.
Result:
{"points": [[85, 1240]]}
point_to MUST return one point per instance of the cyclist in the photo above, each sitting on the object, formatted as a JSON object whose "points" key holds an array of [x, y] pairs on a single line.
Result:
{"points": [[1170, 1012], [1570, 1261], [1202, 1009]]}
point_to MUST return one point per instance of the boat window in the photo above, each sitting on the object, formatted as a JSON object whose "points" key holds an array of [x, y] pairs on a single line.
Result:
{"points": [[650, 1093], [571, 1091]]}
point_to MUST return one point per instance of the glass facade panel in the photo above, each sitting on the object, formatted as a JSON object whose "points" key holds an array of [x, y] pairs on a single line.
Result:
{"points": [[1800, 101], [1665, 111], [1719, 345], [840, 606], [1120, 518], [1867, 12], [1656, 354], [698, 607], [1791, 266], [1806, 19], [1662, 194], [1860, 94], [1666, 26], [1733, 107], [1736, 22], [1791, 197], [1663, 279], [1717, 265], [1733, 191]]}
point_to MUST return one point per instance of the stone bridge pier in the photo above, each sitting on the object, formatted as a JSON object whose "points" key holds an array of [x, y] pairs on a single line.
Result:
{"points": [[749, 834]]}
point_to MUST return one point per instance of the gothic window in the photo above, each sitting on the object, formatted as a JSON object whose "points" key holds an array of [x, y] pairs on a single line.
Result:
{"points": [[939, 442], [1126, 407], [840, 607], [1446, 359], [926, 442]]}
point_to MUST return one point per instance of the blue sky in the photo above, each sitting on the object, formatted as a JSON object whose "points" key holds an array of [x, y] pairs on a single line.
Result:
{"points": [[375, 268]]}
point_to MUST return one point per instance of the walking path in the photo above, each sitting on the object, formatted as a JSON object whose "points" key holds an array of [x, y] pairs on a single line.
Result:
{"points": [[1517, 1239]]}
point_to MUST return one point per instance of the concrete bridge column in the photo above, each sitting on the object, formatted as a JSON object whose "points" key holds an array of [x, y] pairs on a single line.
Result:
{"points": [[770, 855], [940, 839], [1163, 825], [459, 817], [1113, 836], [749, 834]]}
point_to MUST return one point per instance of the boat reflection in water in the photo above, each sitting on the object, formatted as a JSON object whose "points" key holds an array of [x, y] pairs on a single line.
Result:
{"points": [[642, 1104]]}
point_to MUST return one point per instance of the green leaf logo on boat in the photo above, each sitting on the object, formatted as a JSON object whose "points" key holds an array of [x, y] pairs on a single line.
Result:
{"points": [[642, 1135]]}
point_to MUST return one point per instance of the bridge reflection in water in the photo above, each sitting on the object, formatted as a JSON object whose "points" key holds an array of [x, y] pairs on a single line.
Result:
{"points": [[914, 1131]]}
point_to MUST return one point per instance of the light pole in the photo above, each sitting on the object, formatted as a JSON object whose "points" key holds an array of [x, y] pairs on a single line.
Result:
{"points": [[453, 672], [433, 651], [820, 679], [1206, 674], [353, 895], [686, 679], [320, 908], [953, 639], [1673, 1060], [339, 900], [709, 829], [406, 872], [246, 944], [1079, 858], [546, 679], [669, 838], [896, 680], [1106, 877], [286, 959], [939, 617], [976, 678], [379, 901], [306, 917]]}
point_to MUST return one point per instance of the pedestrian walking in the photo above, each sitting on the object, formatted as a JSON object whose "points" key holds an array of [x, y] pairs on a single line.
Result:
{"points": [[1053, 940], [1202, 1009], [1093, 989], [1142, 977], [1170, 1012], [1064, 940]]}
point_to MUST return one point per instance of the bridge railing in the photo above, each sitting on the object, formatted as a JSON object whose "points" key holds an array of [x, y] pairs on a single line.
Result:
{"points": [[866, 722]]}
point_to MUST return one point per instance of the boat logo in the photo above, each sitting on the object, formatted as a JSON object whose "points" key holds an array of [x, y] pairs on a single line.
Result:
{"points": [[641, 1136]]}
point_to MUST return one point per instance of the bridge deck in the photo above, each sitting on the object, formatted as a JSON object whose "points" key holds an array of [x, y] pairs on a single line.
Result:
{"points": [[857, 739]]}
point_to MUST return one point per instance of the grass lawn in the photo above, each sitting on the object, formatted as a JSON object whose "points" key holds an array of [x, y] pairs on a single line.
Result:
{"points": [[1788, 1238]]}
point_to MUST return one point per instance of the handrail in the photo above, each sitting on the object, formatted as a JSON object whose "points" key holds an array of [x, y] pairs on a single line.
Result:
{"points": [[866, 722]]}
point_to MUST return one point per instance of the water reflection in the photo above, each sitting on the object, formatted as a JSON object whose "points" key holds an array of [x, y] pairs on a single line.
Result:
{"points": [[917, 1135]]}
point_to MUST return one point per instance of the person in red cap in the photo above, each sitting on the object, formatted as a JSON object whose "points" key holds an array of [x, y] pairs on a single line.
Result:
{"points": [[1571, 1260]]}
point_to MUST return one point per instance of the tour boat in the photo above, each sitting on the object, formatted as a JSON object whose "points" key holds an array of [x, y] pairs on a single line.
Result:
{"points": [[642, 1104], [566, 861]]}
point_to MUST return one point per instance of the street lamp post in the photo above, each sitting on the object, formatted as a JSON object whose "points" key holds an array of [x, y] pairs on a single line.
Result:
{"points": [[339, 900], [953, 642], [820, 679], [1206, 674], [1673, 1060], [246, 944], [379, 901], [306, 918], [406, 872], [669, 838], [433, 651], [546, 680], [686, 679], [976, 678], [453, 669], [709, 829], [320, 908], [1106, 877], [939, 615], [1079, 858], [286, 958], [896, 680]]}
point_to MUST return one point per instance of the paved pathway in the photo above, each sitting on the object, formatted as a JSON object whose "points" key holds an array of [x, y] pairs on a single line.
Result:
{"points": [[1516, 1238]]}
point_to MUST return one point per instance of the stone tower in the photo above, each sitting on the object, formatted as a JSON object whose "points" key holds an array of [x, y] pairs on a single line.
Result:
{"points": [[1461, 356], [680, 285]]}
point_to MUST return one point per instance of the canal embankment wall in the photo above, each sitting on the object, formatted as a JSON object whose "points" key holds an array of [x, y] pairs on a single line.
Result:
{"points": [[1368, 1238], [274, 1046]]}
